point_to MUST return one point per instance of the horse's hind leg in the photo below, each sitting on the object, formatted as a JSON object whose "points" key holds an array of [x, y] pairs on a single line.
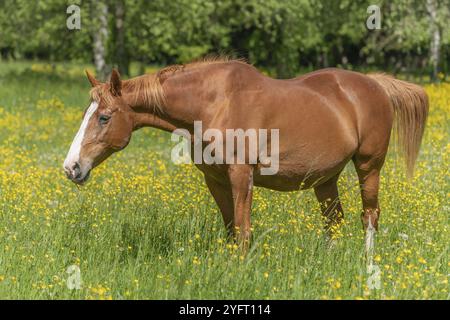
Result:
{"points": [[328, 197], [368, 170]]}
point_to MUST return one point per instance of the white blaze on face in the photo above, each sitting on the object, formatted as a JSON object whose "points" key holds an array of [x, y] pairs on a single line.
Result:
{"points": [[74, 153]]}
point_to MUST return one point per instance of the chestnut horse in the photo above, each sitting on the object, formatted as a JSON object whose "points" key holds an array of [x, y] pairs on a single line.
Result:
{"points": [[325, 119]]}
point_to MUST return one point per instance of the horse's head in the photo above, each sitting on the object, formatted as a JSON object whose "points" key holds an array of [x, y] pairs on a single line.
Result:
{"points": [[106, 128]]}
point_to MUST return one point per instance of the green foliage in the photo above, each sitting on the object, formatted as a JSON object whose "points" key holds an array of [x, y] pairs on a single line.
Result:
{"points": [[280, 36], [37, 29]]}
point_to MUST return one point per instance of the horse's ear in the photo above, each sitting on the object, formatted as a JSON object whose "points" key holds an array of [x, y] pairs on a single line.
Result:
{"points": [[116, 83], [94, 82]]}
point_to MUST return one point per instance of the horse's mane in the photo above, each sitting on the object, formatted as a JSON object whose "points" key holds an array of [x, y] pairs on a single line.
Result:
{"points": [[149, 86], [208, 60]]}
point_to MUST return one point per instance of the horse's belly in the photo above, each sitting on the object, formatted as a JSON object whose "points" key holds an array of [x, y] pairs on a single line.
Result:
{"points": [[301, 175], [279, 182], [289, 182]]}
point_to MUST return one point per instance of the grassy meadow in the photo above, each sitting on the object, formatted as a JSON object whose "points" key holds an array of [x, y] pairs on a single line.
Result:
{"points": [[143, 228]]}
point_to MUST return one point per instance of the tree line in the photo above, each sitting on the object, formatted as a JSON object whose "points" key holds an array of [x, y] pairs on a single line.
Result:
{"points": [[281, 36]]}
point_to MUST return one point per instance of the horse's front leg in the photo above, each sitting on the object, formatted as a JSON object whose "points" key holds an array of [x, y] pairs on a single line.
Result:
{"points": [[221, 191], [241, 181]]}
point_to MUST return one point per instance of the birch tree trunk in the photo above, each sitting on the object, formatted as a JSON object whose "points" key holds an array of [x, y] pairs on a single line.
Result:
{"points": [[435, 44], [99, 14], [121, 57]]}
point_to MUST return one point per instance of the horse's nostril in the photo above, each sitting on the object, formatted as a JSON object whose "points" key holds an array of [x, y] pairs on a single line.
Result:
{"points": [[76, 171], [76, 166], [73, 171], [68, 172]]}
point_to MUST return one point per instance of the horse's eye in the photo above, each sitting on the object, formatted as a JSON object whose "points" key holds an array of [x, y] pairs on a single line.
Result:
{"points": [[103, 119]]}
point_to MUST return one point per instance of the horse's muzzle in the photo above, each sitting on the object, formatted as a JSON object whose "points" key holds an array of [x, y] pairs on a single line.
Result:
{"points": [[74, 173]]}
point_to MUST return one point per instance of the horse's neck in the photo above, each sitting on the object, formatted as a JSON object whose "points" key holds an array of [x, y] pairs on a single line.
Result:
{"points": [[184, 103]]}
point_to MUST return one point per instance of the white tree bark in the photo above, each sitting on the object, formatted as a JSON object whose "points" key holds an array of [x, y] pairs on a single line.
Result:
{"points": [[435, 44], [99, 15], [121, 58]]}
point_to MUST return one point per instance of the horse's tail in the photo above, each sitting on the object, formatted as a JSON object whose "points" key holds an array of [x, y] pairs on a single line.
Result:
{"points": [[410, 103]]}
